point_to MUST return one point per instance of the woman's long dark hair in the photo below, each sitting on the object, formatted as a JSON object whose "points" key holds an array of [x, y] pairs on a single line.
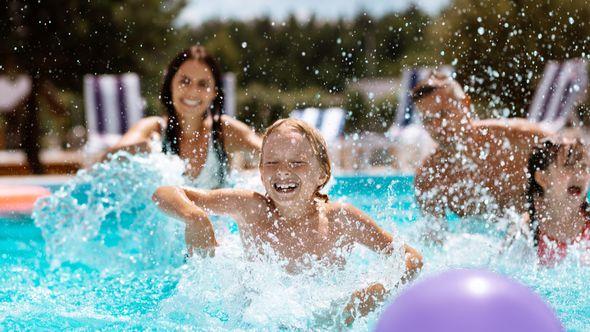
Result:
{"points": [[215, 110], [542, 157]]}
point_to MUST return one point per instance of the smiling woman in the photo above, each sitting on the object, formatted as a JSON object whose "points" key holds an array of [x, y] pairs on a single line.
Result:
{"points": [[195, 127]]}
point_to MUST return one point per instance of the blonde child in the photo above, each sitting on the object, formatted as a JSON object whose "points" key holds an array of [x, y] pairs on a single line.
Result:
{"points": [[292, 217]]}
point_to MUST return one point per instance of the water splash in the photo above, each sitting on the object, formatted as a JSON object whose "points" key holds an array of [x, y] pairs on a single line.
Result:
{"points": [[104, 218], [116, 263], [103, 226], [232, 292]]}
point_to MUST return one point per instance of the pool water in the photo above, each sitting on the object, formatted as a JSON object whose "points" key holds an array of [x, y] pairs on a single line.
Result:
{"points": [[98, 254]]}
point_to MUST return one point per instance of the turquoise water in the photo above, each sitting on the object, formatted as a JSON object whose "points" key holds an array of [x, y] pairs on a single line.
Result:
{"points": [[98, 254]]}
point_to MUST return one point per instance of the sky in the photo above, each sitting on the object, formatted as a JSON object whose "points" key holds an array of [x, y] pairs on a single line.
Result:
{"points": [[198, 11]]}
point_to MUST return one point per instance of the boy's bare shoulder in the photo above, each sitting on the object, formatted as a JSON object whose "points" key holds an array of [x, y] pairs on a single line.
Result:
{"points": [[343, 211], [260, 204], [250, 197]]}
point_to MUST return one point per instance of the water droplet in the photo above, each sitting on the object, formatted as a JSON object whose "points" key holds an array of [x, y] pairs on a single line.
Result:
{"points": [[481, 31], [570, 20], [244, 44]]}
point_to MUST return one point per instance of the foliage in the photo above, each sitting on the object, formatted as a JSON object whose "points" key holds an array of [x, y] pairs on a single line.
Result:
{"points": [[500, 47], [294, 55], [260, 106], [365, 114], [63, 40]]}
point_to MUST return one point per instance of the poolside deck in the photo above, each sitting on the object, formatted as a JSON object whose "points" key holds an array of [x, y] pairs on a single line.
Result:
{"points": [[14, 163]]}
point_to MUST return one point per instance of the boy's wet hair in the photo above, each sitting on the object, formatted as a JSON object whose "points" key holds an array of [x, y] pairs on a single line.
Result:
{"points": [[315, 139], [543, 156]]}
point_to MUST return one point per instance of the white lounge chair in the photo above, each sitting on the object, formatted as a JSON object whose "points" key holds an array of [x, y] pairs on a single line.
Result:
{"points": [[563, 86], [332, 124], [229, 91], [311, 115], [406, 113], [329, 122], [113, 103]]}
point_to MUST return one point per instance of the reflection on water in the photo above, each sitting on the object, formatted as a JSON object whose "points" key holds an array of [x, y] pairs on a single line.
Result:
{"points": [[112, 260]]}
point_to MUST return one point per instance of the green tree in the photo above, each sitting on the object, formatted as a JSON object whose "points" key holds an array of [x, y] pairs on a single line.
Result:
{"points": [[500, 47], [56, 43]]}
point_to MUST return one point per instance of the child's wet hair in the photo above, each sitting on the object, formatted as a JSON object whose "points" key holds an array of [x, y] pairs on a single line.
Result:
{"points": [[543, 156], [315, 139]]}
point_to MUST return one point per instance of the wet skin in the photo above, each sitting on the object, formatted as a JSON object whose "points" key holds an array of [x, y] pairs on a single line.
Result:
{"points": [[289, 217], [477, 164]]}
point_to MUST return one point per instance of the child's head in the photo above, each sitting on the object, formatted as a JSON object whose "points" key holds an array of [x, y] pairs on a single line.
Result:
{"points": [[294, 162], [558, 173], [443, 106]]}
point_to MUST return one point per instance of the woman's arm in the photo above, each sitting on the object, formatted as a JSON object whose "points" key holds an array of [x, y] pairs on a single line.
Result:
{"points": [[239, 137], [138, 137]]}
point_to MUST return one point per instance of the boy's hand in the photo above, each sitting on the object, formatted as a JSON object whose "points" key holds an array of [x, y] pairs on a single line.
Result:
{"points": [[199, 235], [363, 302]]}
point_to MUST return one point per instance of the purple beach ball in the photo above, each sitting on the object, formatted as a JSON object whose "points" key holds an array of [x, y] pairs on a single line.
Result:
{"points": [[468, 300]]}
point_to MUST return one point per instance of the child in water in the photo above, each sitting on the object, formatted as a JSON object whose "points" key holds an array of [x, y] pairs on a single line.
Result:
{"points": [[292, 217], [558, 212]]}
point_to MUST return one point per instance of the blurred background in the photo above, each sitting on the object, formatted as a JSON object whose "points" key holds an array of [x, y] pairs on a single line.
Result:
{"points": [[284, 55]]}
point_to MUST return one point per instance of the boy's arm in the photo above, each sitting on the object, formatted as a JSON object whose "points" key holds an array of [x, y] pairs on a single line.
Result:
{"points": [[193, 205], [366, 232], [362, 302], [181, 202]]}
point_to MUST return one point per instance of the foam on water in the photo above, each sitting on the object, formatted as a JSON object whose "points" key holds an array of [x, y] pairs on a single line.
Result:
{"points": [[229, 291]]}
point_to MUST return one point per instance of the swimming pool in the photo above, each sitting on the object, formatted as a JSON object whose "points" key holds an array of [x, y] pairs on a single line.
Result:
{"points": [[99, 265]]}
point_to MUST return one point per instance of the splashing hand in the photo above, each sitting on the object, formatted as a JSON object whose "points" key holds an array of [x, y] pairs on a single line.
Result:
{"points": [[364, 301]]}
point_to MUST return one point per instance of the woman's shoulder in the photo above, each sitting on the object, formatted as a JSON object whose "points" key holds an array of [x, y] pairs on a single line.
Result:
{"points": [[155, 123], [231, 123]]}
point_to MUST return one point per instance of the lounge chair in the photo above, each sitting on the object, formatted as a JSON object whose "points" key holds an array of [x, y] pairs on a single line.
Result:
{"points": [[113, 103], [563, 86], [330, 123], [229, 94]]}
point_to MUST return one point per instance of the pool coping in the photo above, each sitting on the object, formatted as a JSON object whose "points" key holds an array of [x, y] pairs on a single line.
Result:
{"points": [[34, 180]]}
